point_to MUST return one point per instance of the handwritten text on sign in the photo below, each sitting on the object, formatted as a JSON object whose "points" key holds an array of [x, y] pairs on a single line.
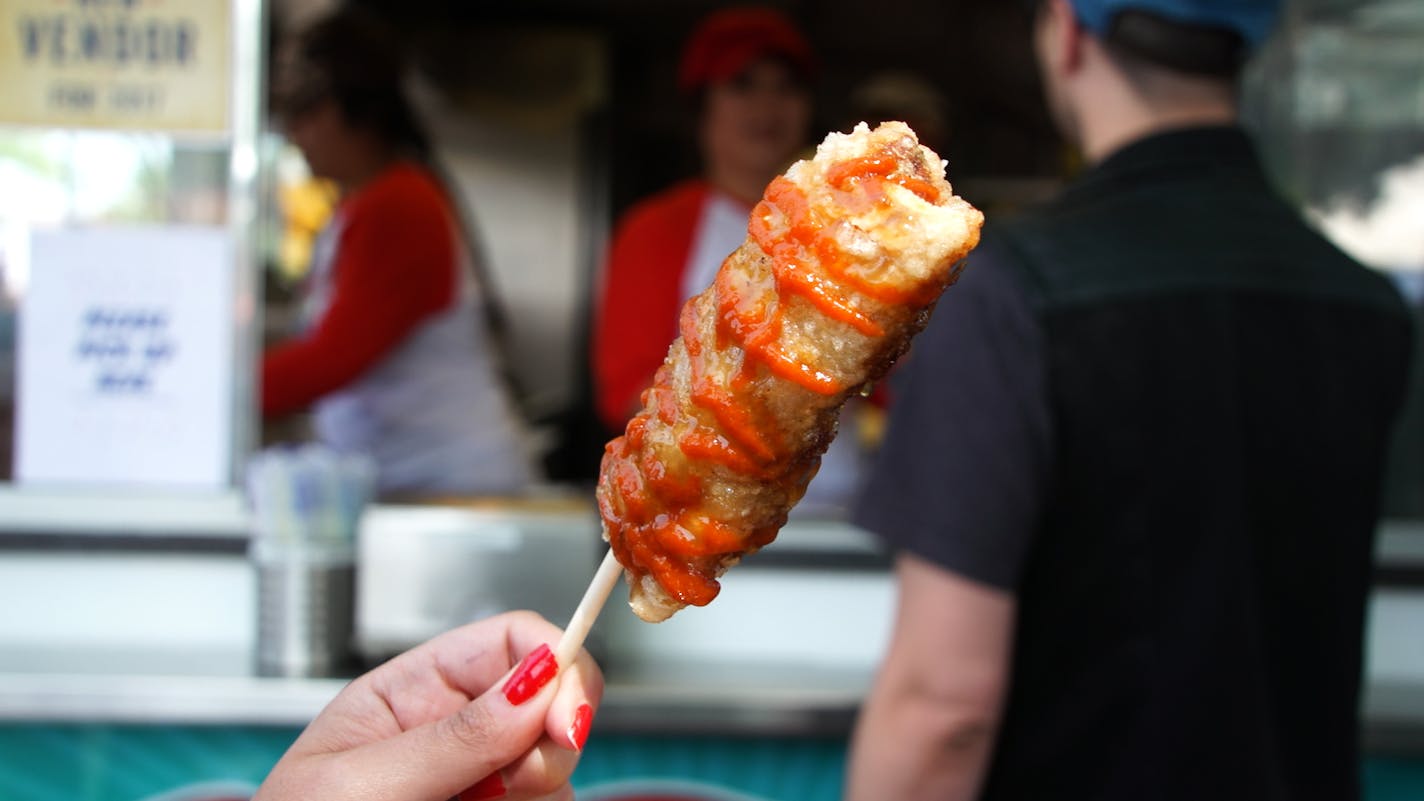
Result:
{"points": [[144, 64], [126, 347]]}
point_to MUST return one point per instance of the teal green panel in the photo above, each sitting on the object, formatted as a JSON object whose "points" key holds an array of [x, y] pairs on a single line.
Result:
{"points": [[771, 768], [1388, 779], [96, 762]]}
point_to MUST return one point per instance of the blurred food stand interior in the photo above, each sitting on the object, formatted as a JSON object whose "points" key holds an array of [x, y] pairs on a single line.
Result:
{"points": [[129, 628]]}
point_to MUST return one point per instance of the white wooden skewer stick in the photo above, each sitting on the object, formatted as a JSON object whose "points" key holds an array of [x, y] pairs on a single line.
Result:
{"points": [[587, 612]]}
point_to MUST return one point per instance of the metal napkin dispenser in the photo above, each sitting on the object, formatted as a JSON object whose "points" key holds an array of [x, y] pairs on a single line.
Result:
{"points": [[425, 569]]}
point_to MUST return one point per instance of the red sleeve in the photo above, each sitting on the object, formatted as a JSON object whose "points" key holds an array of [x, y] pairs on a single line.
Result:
{"points": [[637, 318], [394, 268]]}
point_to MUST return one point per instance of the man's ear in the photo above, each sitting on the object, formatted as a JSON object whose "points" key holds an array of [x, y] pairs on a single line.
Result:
{"points": [[1064, 46]]}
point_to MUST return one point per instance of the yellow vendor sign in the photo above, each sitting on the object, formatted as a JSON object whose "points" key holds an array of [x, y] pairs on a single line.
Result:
{"points": [[161, 65]]}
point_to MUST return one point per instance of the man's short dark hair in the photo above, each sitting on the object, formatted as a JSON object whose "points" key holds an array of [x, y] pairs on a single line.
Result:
{"points": [[1140, 38], [1194, 50]]}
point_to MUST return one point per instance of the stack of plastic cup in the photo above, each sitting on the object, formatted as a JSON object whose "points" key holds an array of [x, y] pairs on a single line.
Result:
{"points": [[306, 508]]}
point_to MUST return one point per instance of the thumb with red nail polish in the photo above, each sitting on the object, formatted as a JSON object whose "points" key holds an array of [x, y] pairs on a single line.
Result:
{"points": [[534, 672]]}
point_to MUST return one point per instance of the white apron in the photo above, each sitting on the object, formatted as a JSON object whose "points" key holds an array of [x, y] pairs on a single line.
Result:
{"points": [[433, 413]]}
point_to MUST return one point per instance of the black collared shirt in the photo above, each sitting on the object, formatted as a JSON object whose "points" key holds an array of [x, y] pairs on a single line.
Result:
{"points": [[1156, 411]]}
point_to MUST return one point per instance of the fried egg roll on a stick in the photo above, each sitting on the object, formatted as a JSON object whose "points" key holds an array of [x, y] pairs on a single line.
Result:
{"points": [[844, 259]]}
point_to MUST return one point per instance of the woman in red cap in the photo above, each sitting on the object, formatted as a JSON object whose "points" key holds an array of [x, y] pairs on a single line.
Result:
{"points": [[749, 71]]}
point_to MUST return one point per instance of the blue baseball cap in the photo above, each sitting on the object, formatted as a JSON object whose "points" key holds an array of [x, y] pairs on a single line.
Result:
{"points": [[1252, 19]]}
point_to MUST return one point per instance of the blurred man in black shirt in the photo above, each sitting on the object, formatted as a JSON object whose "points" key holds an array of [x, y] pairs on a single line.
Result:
{"points": [[1132, 479]]}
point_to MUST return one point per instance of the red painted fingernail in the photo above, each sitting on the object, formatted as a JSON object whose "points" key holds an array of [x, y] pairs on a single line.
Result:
{"points": [[491, 786], [537, 669], [578, 731]]}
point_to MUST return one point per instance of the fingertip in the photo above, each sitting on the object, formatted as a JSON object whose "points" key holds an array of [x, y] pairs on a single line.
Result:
{"points": [[578, 730]]}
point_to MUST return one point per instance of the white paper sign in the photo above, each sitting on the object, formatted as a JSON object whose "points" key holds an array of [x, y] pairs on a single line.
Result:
{"points": [[125, 358]]}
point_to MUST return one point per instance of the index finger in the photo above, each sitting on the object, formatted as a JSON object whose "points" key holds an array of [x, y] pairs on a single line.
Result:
{"points": [[576, 701]]}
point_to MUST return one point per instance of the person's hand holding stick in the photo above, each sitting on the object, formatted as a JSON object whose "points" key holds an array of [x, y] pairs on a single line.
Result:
{"points": [[480, 712]]}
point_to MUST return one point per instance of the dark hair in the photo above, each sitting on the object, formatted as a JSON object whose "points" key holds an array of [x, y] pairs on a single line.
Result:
{"points": [[1194, 50], [348, 57], [1139, 39], [695, 100]]}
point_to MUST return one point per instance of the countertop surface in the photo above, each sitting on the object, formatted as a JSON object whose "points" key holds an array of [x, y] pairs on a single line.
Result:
{"points": [[745, 699], [721, 699], [788, 648]]}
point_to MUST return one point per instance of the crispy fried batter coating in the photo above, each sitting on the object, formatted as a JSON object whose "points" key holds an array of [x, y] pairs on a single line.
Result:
{"points": [[844, 259]]}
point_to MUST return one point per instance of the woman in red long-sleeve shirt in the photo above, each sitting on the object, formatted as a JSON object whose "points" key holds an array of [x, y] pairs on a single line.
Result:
{"points": [[749, 70], [395, 360]]}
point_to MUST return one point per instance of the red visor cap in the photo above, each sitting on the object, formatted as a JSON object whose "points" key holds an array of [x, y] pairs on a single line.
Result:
{"points": [[728, 41]]}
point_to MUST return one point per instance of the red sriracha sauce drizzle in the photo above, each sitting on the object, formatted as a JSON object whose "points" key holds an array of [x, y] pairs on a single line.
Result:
{"points": [[652, 514]]}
